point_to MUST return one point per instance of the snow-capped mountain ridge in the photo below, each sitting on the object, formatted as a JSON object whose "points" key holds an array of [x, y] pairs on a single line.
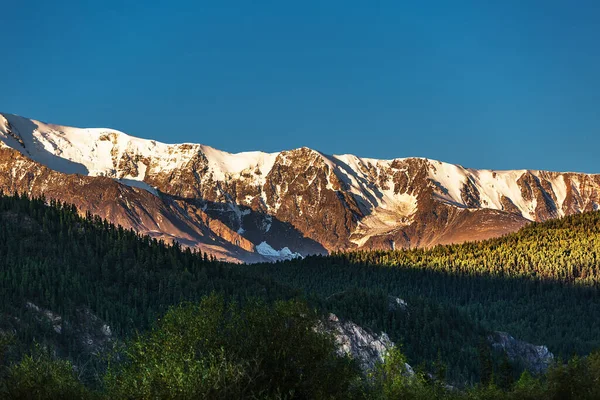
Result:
{"points": [[100, 149], [339, 201]]}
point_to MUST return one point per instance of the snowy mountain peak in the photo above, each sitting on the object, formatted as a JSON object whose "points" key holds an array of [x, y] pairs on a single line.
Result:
{"points": [[304, 200], [108, 152]]}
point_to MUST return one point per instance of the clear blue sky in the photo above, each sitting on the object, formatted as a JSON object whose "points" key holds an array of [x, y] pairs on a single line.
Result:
{"points": [[487, 84]]}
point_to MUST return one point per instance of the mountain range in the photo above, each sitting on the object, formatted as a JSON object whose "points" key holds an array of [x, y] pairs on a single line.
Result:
{"points": [[257, 206]]}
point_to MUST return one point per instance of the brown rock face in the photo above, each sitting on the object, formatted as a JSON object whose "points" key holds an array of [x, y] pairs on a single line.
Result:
{"points": [[160, 217], [509, 206], [229, 204], [539, 189], [305, 192]]}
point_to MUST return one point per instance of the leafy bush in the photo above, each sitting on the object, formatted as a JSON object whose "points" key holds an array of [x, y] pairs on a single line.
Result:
{"points": [[222, 351], [39, 376]]}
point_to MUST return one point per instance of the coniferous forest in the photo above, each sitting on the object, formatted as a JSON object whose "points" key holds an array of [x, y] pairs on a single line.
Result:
{"points": [[184, 325], [541, 284]]}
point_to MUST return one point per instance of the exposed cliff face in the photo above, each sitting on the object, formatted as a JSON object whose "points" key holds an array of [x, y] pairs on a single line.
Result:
{"points": [[309, 202], [162, 217], [534, 358], [366, 348]]}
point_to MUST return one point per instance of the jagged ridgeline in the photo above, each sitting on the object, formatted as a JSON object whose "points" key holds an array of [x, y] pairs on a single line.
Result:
{"points": [[540, 284], [260, 207]]}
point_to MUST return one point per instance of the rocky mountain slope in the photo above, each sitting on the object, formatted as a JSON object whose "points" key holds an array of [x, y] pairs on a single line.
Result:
{"points": [[255, 206]]}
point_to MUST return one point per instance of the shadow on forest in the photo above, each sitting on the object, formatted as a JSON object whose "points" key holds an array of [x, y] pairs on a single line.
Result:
{"points": [[543, 312]]}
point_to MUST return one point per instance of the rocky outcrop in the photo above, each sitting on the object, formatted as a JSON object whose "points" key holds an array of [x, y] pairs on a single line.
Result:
{"points": [[397, 304], [534, 358], [91, 335], [304, 190], [365, 347]]}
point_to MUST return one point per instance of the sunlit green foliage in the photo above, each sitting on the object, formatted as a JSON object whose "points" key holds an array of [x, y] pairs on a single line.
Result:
{"points": [[216, 350], [539, 284], [564, 250], [577, 379]]}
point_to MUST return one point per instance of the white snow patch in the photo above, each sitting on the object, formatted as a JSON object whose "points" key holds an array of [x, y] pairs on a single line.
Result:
{"points": [[98, 152], [560, 190], [139, 185], [394, 214], [104, 152], [266, 250], [451, 179], [225, 164]]}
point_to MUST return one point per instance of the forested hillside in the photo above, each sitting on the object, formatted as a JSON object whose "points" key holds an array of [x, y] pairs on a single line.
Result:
{"points": [[562, 250], [53, 259], [62, 274], [539, 284], [61, 263]]}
